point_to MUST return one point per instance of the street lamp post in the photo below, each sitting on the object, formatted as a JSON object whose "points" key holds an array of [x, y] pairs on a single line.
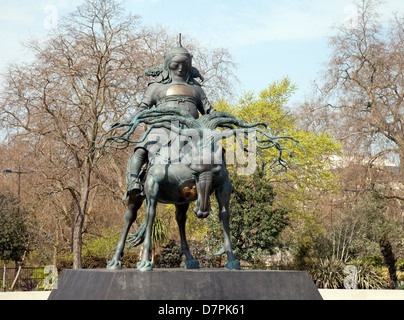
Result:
{"points": [[19, 172]]}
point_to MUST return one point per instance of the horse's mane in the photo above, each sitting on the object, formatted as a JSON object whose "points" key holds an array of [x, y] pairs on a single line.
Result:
{"points": [[209, 123]]}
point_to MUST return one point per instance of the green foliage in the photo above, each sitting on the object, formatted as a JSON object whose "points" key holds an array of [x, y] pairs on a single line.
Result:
{"points": [[303, 256], [309, 172], [328, 273], [255, 226], [374, 261], [97, 250], [159, 231], [307, 176], [101, 245], [400, 264], [368, 277], [371, 223], [13, 229], [94, 261], [169, 256], [353, 234], [89, 261], [48, 279]]}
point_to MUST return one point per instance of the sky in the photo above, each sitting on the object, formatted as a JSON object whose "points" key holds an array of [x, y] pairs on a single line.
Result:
{"points": [[268, 39]]}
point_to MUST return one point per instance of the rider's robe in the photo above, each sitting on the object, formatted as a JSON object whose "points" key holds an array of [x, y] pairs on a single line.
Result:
{"points": [[189, 97]]}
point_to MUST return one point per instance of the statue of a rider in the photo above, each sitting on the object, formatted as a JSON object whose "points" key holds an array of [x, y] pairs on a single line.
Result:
{"points": [[190, 179], [174, 86]]}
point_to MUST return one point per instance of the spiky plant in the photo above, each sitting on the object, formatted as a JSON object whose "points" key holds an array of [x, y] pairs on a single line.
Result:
{"points": [[368, 277], [328, 273]]}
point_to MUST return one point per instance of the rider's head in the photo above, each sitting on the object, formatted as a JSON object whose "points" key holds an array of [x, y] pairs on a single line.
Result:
{"points": [[178, 63]]}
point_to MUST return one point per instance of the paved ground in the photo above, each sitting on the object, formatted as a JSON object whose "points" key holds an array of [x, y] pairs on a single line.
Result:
{"points": [[341, 294], [26, 295], [327, 294]]}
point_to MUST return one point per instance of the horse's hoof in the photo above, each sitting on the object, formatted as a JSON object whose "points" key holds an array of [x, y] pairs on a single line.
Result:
{"points": [[144, 266], [192, 264], [233, 265], [114, 265]]}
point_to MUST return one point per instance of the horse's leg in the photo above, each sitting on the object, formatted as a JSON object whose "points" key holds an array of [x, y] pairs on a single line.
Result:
{"points": [[151, 204], [181, 217], [134, 203], [223, 198]]}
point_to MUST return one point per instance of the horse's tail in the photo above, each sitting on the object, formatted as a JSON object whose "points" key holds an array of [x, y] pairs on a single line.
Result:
{"points": [[137, 238]]}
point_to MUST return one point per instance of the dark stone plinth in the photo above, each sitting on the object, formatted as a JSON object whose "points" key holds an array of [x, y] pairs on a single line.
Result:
{"points": [[182, 284]]}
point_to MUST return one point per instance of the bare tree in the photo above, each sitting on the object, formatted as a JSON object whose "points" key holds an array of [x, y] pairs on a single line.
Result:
{"points": [[79, 78], [83, 78], [364, 89]]}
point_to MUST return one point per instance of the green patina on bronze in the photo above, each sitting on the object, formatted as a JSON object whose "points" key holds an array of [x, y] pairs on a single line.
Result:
{"points": [[198, 168]]}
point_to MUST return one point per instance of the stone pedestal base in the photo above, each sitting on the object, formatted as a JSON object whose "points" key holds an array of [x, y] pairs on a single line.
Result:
{"points": [[182, 284]]}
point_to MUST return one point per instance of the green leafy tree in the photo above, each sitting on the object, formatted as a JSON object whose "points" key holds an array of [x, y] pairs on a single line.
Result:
{"points": [[13, 230], [255, 224], [356, 235], [102, 245], [308, 174], [14, 237]]}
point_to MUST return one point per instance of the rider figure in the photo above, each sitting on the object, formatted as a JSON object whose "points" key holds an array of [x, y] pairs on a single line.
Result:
{"points": [[174, 86]]}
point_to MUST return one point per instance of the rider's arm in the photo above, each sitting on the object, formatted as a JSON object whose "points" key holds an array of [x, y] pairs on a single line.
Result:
{"points": [[148, 100], [204, 106]]}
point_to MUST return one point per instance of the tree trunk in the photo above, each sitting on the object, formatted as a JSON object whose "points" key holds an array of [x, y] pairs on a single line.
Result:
{"points": [[389, 260], [56, 245], [82, 203], [78, 240], [18, 272], [4, 276], [401, 165]]}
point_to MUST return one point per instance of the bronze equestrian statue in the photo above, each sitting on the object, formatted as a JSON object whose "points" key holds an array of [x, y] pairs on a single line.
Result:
{"points": [[184, 155]]}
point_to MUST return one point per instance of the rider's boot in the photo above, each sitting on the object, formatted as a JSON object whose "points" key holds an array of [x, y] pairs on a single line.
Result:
{"points": [[134, 166]]}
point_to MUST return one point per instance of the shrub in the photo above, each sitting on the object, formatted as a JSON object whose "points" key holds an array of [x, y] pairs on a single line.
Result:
{"points": [[169, 257], [400, 264], [368, 276], [130, 260], [375, 261], [328, 273]]}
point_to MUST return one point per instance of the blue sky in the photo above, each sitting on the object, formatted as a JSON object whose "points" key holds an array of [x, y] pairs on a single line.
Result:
{"points": [[268, 39]]}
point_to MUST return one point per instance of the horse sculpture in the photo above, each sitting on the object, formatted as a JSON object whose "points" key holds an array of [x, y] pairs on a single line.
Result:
{"points": [[197, 172]]}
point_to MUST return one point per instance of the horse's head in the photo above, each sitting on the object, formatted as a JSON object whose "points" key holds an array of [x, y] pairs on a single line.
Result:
{"points": [[206, 164]]}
